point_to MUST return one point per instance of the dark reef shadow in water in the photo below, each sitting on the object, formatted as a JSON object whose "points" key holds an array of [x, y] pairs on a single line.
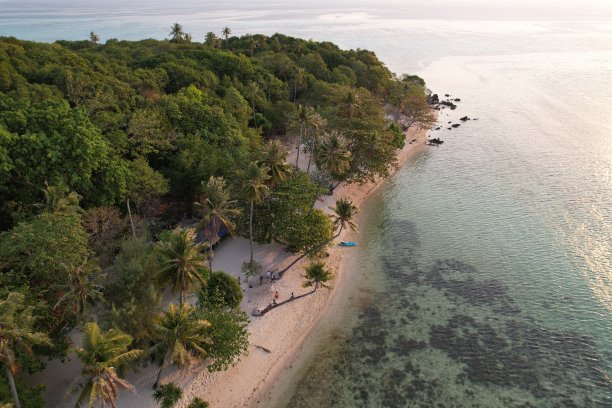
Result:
{"points": [[500, 353]]}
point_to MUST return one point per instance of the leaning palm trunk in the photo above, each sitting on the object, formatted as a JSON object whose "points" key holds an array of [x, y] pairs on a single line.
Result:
{"points": [[12, 386], [214, 233], [335, 186], [316, 196], [312, 153], [310, 251], [11, 381], [131, 220], [254, 114], [161, 367], [297, 158]]}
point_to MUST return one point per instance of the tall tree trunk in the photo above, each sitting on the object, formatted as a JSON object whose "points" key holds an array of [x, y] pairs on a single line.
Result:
{"points": [[181, 296], [312, 153], [11, 381], [297, 158], [161, 367], [251, 230], [131, 220], [213, 234], [314, 201], [334, 187]]}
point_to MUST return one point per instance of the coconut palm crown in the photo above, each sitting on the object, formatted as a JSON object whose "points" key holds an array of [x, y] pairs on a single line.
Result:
{"points": [[344, 212], [316, 274], [274, 158], [217, 211], [182, 262], [333, 155], [102, 353], [180, 337]]}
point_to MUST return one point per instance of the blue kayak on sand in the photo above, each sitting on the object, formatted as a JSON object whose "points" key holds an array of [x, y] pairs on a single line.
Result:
{"points": [[348, 244]]}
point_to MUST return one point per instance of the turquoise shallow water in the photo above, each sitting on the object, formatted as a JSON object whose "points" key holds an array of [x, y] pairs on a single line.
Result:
{"points": [[489, 258], [493, 251]]}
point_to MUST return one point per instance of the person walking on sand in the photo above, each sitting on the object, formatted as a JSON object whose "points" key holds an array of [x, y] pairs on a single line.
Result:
{"points": [[276, 295], [260, 279]]}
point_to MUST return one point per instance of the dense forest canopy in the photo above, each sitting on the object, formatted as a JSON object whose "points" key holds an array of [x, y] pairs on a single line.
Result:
{"points": [[105, 146]]}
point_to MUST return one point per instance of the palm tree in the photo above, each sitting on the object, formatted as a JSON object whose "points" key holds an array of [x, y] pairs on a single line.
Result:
{"points": [[333, 155], [253, 92], [211, 39], [82, 290], [217, 210], [168, 395], [102, 353], [316, 122], [59, 199], [17, 334], [274, 158], [344, 211], [180, 338], [349, 105], [300, 121], [94, 38], [332, 158], [182, 262], [254, 190], [226, 32], [176, 32], [317, 275]]}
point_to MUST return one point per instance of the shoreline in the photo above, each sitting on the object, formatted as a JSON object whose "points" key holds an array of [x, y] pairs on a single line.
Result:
{"points": [[262, 381]]}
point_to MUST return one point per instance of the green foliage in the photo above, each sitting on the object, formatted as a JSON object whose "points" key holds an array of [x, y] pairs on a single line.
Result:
{"points": [[133, 296], [145, 185], [316, 274], [42, 251], [222, 290], [302, 232], [50, 142], [198, 403], [168, 395], [399, 138], [29, 397], [229, 338], [288, 218]]}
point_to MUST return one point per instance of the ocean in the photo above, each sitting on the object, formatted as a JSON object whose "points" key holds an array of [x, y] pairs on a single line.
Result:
{"points": [[488, 258]]}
